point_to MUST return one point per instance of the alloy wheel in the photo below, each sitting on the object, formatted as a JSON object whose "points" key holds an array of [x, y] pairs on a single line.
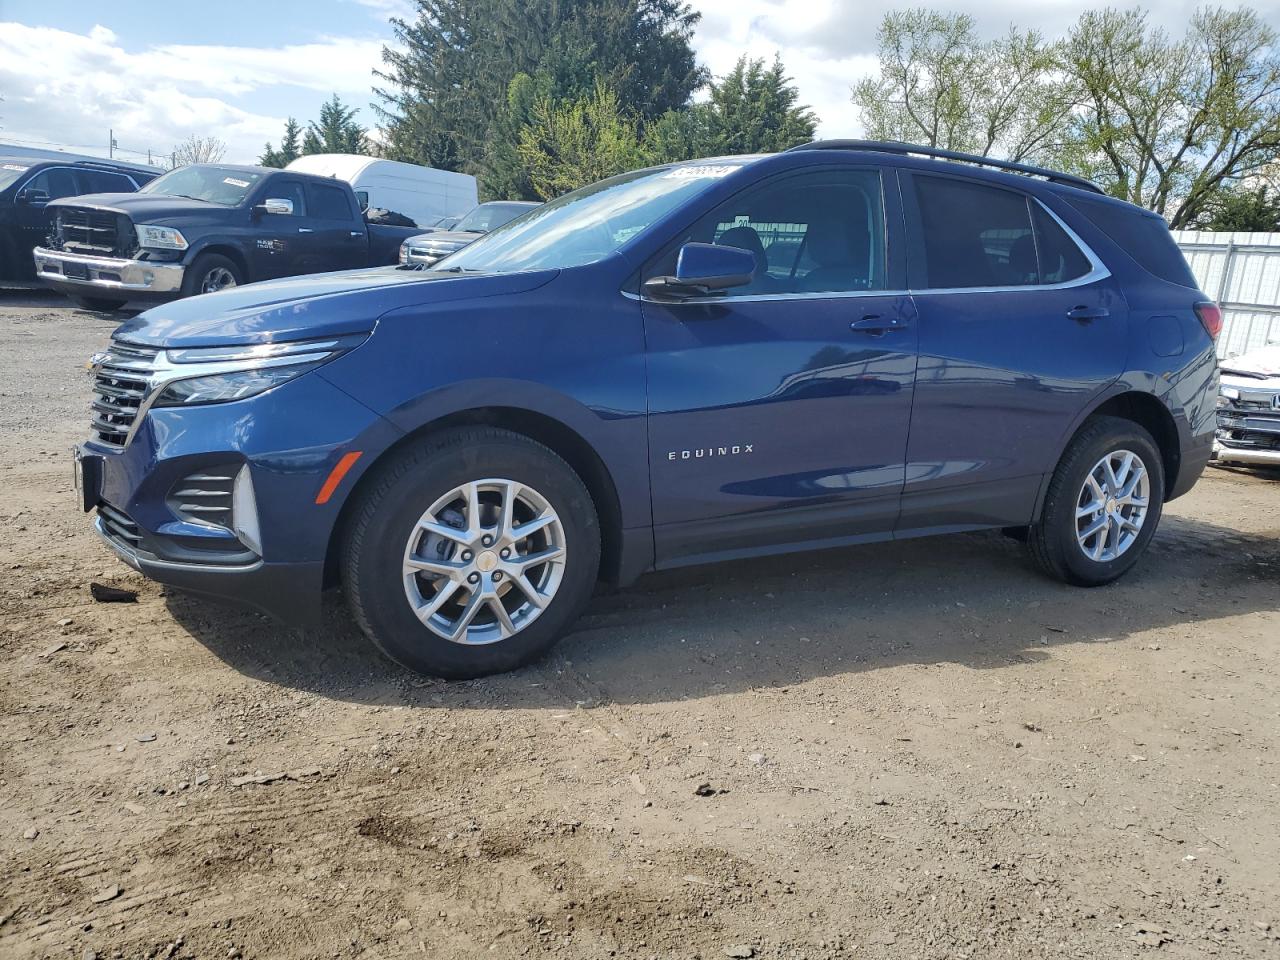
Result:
{"points": [[219, 278], [484, 561], [1112, 506]]}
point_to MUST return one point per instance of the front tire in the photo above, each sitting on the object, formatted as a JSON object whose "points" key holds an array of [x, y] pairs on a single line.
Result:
{"points": [[470, 553], [209, 273], [1103, 505], [102, 304]]}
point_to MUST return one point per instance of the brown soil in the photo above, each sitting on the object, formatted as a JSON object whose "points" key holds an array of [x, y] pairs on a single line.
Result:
{"points": [[918, 750]]}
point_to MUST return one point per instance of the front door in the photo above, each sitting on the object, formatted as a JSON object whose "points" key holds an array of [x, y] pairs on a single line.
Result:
{"points": [[778, 413], [339, 236]]}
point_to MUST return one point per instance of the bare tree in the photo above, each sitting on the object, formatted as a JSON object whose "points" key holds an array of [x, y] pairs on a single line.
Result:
{"points": [[942, 86], [1168, 123], [198, 150]]}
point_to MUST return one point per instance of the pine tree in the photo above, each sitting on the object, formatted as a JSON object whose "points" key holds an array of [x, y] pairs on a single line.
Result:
{"points": [[289, 149]]}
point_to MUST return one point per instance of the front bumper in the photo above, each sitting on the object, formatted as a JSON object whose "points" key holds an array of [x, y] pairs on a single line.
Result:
{"points": [[79, 274], [289, 440]]}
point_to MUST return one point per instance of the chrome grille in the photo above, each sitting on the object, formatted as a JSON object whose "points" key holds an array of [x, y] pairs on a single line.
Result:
{"points": [[98, 232], [121, 379], [205, 496]]}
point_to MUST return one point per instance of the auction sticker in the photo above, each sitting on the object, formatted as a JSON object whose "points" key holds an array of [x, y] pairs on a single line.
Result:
{"points": [[234, 182], [699, 172]]}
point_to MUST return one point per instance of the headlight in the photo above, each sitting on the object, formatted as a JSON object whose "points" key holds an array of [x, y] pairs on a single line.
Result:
{"points": [[404, 252], [160, 238], [223, 374]]}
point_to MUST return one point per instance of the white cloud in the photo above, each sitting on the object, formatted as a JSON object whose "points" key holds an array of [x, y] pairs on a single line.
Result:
{"points": [[71, 88]]}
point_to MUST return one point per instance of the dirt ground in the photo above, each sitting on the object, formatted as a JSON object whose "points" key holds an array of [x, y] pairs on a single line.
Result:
{"points": [[920, 750]]}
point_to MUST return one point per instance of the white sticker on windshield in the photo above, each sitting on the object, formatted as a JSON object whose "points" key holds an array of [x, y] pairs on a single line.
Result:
{"points": [[690, 173], [234, 182], [14, 166]]}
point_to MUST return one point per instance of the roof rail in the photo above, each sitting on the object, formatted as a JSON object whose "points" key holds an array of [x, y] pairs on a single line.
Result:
{"points": [[906, 149]]}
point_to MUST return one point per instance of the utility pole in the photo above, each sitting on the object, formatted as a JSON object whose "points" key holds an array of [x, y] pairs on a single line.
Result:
{"points": [[111, 144]]}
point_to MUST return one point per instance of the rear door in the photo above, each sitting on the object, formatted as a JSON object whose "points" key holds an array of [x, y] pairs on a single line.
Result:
{"points": [[339, 233], [1021, 327]]}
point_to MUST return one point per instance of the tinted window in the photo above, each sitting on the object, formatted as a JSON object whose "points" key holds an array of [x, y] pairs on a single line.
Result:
{"points": [[98, 181], [56, 182], [328, 203], [1060, 259], [813, 233], [973, 235], [1144, 236]]}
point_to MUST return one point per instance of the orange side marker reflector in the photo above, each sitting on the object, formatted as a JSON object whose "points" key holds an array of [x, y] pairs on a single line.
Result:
{"points": [[336, 474]]}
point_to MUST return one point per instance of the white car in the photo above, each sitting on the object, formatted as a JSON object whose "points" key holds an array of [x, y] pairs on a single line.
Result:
{"points": [[1249, 409]]}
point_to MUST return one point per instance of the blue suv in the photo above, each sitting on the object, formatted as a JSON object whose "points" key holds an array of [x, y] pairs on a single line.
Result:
{"points": [[844, 343]]}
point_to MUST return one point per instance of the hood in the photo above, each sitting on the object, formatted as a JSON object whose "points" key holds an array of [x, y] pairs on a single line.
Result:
{"points": [[144, 207], [316, 305], [1260, 364]]}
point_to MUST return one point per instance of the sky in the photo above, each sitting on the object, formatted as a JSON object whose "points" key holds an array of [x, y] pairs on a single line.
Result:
{"points": [[72, 72]]}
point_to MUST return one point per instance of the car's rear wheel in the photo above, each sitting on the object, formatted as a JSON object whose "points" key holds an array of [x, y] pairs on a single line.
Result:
{"points": [[104, 304], [209, 273], [1103, 505], [470, 553]]}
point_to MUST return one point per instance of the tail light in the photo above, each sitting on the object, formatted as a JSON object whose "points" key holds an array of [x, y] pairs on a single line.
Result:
{"points": [[1210, 315]]}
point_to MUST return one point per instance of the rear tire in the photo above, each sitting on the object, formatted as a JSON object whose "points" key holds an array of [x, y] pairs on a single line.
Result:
{"points": [[440, 573], [1109, 480], [209, 273], [103, 304]]}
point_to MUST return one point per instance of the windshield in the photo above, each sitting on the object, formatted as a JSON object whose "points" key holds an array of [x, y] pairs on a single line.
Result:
{"points": [[224, 185], [11, 170], [490, 216], [589, 224]]}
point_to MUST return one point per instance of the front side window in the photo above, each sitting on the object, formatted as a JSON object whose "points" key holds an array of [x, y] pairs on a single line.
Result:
{"points": [[55, 183], [290, 190], [819, 232]]}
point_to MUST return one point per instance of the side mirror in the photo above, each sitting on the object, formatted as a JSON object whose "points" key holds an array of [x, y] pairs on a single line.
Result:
{"points": [[704, 269], [32, 196], [275, 205]]}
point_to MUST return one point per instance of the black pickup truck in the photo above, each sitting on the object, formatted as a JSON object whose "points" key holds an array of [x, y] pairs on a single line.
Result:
{"points": [[28, 184], [204, 227]]}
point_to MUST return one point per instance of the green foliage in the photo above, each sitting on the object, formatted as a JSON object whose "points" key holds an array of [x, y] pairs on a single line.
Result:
{"points": [[567, 145], [448, 80], [941, 86], [1166, 123], [756, 110], [1240, 209], [336, 132], [289, 150]]}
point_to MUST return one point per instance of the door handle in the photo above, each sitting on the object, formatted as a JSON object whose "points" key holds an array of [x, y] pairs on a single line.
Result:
{"points": [[356, 234], [1086, 314], [305, 230], [876, 325]]}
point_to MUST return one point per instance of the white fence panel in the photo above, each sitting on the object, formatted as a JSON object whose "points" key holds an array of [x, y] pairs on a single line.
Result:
{"points": [[1242, 272]]}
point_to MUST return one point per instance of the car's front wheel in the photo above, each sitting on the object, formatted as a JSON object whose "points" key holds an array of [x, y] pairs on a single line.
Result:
{"points": [[1103, 505], [209, 273], [470, 553]]}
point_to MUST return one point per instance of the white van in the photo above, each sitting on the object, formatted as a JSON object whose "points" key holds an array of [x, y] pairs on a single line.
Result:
{"points": [[423, 194]]}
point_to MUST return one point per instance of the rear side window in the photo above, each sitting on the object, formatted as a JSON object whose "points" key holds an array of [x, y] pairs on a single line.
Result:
{"points": [[99, 181], [974, 235], [328, 203], [1143, 236]]}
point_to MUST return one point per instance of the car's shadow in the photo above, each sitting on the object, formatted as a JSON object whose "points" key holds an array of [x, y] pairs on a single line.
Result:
{"points": [[969, 599]]}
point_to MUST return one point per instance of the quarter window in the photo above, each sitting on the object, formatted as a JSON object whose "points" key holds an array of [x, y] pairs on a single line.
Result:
{"points": [[1060, 258], [817, 232]]}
